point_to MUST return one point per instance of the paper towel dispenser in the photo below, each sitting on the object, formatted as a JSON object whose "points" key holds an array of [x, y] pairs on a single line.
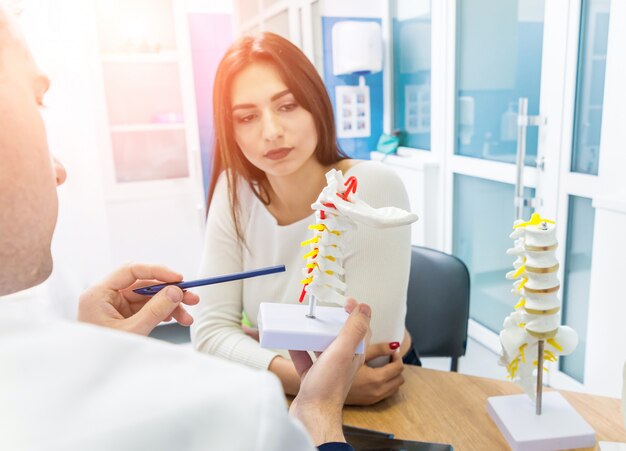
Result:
{"points": [[357, 47]]}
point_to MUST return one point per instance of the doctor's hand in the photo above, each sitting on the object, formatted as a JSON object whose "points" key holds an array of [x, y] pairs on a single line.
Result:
{"points": [[112, 303], [325, 384], [372, 385]]}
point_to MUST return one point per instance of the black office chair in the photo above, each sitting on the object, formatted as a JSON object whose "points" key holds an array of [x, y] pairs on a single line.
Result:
{"points": [[172, 332], [438, 304]]}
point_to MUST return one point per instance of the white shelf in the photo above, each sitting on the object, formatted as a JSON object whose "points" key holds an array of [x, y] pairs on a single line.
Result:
{"points": [[408, 158], [147, 127], [161, 57]]}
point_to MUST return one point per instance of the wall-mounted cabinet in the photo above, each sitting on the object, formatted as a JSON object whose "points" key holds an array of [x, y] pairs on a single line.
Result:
{"points": [[150, 142]]}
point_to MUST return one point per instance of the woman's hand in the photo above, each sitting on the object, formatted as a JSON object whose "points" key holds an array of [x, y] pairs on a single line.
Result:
{"points": [[372, 385]]}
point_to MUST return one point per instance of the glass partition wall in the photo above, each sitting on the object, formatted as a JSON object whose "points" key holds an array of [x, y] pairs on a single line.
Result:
{"points": [[553, 54], [412, 72], [498, 59]]}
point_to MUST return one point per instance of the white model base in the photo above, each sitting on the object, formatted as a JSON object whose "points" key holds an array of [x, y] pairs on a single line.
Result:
{"points": [[558, 427], [286, 326]]}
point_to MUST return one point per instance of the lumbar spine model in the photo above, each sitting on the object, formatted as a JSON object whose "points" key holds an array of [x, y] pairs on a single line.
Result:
{"points": [[533, 332], [337, 210]]}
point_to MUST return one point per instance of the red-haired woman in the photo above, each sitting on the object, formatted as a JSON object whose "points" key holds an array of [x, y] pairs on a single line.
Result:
{"points": [[274, 141]]}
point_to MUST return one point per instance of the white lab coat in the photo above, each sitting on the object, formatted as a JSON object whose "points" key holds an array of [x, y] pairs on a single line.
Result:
{"points": [[69, 386]]}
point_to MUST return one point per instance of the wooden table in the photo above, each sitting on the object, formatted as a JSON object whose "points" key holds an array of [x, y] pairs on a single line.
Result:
{"points": [[446, 407]]}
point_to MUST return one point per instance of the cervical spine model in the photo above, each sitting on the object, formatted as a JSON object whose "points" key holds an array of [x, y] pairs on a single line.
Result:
{"points": [[338, 209], [536, 315]]}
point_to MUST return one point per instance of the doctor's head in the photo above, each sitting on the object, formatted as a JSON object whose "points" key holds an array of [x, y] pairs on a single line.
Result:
{"points": [[28, 173], [271, 111]]}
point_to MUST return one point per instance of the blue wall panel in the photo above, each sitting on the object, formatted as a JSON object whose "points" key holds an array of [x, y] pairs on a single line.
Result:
{"points": [[354, 147]]}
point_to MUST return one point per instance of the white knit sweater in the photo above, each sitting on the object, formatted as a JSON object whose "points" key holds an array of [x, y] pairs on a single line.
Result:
{"points": [[376, 265]]}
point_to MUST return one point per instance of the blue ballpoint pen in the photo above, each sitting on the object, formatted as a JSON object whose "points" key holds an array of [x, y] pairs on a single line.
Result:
{"points": [[154, 289]]}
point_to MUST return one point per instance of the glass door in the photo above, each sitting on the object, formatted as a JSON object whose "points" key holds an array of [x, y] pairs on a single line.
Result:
{"points": [[570, 177], [552, 54], [499, 56]]}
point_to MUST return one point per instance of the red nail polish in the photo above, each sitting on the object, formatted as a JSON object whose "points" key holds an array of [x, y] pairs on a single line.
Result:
{"points": [[394, 345]]}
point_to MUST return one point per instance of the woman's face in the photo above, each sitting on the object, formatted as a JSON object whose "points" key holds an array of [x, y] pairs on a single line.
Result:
{"points": [[273, 131]]}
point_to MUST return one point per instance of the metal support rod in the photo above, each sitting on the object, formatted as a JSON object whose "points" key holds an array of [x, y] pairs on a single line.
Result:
{"points": [[522, 123], [539, 376], [312, 302]]}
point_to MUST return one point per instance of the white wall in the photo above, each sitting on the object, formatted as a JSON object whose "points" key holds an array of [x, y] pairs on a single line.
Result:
{"points": [[209, 6], [606, 345], [353, 8]]}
